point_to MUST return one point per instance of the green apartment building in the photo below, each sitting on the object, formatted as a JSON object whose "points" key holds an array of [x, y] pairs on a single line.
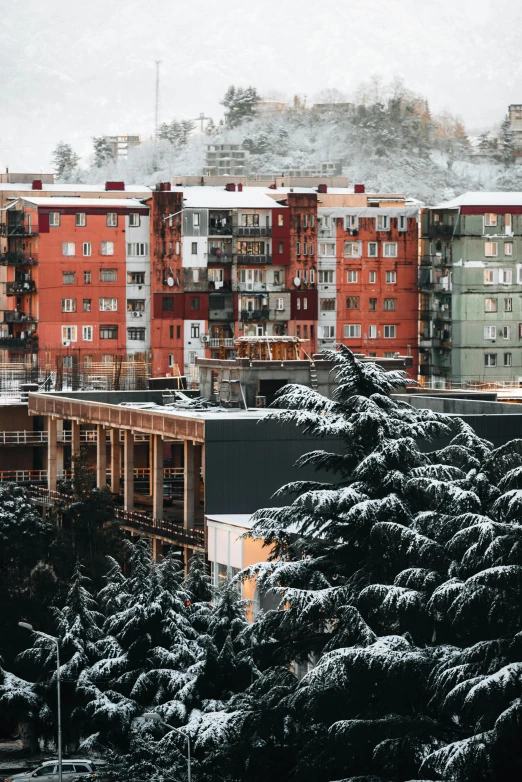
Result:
{"points": [[470, 282]]}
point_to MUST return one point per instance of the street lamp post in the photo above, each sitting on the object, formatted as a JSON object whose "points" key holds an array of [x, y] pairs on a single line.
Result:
{"points": [[27, 626], [152, 715]]}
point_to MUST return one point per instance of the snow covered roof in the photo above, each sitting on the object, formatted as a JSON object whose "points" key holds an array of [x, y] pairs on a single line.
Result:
{"points": [[218, 198], [370, 211], [126, 203], [483, 198], [27, 186], [210, 414]]}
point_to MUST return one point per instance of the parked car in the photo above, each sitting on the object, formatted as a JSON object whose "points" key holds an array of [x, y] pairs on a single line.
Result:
{"points": [[48, 771]]}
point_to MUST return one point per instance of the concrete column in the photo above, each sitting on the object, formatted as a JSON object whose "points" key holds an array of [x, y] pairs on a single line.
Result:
{"points": [[51, 453], [115, 461], [75, 439], [157, 549], [101, 457], [156, 451], [59, 449], [128, 454], [188, 485]]}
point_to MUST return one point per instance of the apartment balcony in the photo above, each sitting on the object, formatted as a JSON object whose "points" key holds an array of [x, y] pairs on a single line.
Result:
{"points": [[23, 228], [220, 223], [429, 342], [259, 259], [18, 259], [227, 315], [222, 342], [438, 229], [435, 260], [19, 343], [13, 288], [444, 315], [220, 256], [15, 316], [256, 230], [263, 314]]}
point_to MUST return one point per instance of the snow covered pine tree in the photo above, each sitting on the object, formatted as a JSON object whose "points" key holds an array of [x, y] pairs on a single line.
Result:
{"points": [[402, 580]]}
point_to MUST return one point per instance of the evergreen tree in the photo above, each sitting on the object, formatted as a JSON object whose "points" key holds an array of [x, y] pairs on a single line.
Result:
{"points": [[506, 143], [176, 132], [65, 160], [103, 151], [241, 104]]}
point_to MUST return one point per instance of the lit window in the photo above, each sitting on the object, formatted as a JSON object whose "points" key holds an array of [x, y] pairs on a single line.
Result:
{"points": [[280, 219], [352, 330]]}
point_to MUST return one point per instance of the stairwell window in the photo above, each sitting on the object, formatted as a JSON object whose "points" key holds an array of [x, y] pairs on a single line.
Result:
{"points": [[328, 332], [87, 249], [195, 219], [327, 305], [136, 278], [69, 278], [195, 275], [508, 305], [508, 248], [372, 332], [490, 332], [81, 219], [280, 304], [107, 248], [194, 330], [373, 249], [135, 305], [108, 305], [491, 249], [390, 332], [68, 248], [490, 305], [137, 249], [327, 248], [352, 302], [352, 249], [68, 305], [54, 219], [134, 219], [389, 250], [490, 359], [280, 219], [112, 220], [326, 277], [136, 334], [352, 330], [108, 275]]}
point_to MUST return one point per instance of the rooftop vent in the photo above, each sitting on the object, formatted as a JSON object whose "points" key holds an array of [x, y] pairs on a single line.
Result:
{"points": [[359, 189], [114, 185], [322, 188], [230, 187], [37, 184]]}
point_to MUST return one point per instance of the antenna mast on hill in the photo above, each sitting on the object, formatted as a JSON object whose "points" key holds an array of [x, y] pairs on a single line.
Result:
{"points": [[156, 113]]}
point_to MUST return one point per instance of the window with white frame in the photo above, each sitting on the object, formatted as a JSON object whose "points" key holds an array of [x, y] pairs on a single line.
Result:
{"points": [[136, 334], [390, 332], [351, 223], [507, 224], [195, 275], [305, 303], [69, 333], [352, 249], [107, 248], [311, 249], [305, 248], [508, 359], [280, 304], [382, 223], [81, 219], [352, 330], [372, 277], [490, 332], [326, 276], [112, 220], [312, 276], [87, 278], [327, 248], [504, 332], [108, 275], [389, 250], [137, 249], [508, 305], [490, 220], [136, 278], [69, 278], [68, 248], [87, 305], [491, 249], [402, 222], [216, 275], [352, 275], [328, 332], [372, 332], [54, 219], [373, 249], [134, 219], [171, 359], [195, 219], [490, 305], [108, 305], [508, 248], [505, 276], [194, 330], [87, 249], [490, 359], [305, 222], [490, 276], [390, 305], [391, 277], [298, 248], [87, 333], [68, 305]]}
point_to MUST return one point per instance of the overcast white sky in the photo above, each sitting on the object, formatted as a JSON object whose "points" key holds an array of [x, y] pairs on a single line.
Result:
{"points": [[72, 69]]}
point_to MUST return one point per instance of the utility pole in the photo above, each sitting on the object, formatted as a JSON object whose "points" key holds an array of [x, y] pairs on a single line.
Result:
{"points": [[201, 119], [156, 113]]}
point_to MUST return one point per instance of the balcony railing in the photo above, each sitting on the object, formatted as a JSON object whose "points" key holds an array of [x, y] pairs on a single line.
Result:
{"points": [[15, 316], [222, 342], [28, 286], [438, 229], [220, 230], [254, 258], [18, 343], [222, 257], [254, 230], [221, 315], [18, 259], [263, 314], [18, 229], [23, 437]]}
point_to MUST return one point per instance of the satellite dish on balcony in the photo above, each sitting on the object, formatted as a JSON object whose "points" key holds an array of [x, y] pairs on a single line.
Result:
{"points": [[297, 281], [170, 281]]}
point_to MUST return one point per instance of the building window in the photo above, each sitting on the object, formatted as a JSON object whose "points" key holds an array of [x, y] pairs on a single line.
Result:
{"points": [[312, 276], [194, 249], [195, 219], [382, 223], [305, 303], [168, 304], [87, 249], [491, 249], [305, 248], [372, 332], [327, 305], [277, 278], [87, 333], [249, 221], [108, 305], [490, 276], [69, 333], [352, 302], [108, 332], [171, 360], [136, 278], [298, 332], [178, 332], [372, 305], [54, 219], [81, 219], [507, 224], [352, 276], [389, 250], [402, 222], [508, 359], [352, 249], [194, 303], [352, 330], [107, 248], [171, 332], [87, 278], [69, 278], [108, 275], [137, 249], [505, 276], [508, 248], [490, 359], [490, 332], [490, 305], [68, 248], [194, 330], [112, 220], [373, 278], [135, 305], [326, 277], [136, 334], [311, 249], [390, 305], [280, 220], [298, 304], [298, 248], [134, 219], [328, 332], [195, 275], [68, 305], [351, 223], [281, 248], [327, 248], [87, 305], [505, 332], [391, 277], [490, 220], [280, 304], [508, 305], [216, 275], [373, 249], [390, 332]]}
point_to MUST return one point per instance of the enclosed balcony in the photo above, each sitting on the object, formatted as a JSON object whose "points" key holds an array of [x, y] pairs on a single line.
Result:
{"points": [[250, 258], [262, 314], [16, 316], [18, 343], [220, 223], [20, 286], [17, 258], [254, 230]]}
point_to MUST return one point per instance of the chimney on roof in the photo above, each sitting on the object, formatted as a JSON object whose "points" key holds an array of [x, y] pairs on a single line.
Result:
{"points": [[240, 188], [230, 187], [359, 189], [322, 188], [163, 186], [114, 185], [37, 184]]}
